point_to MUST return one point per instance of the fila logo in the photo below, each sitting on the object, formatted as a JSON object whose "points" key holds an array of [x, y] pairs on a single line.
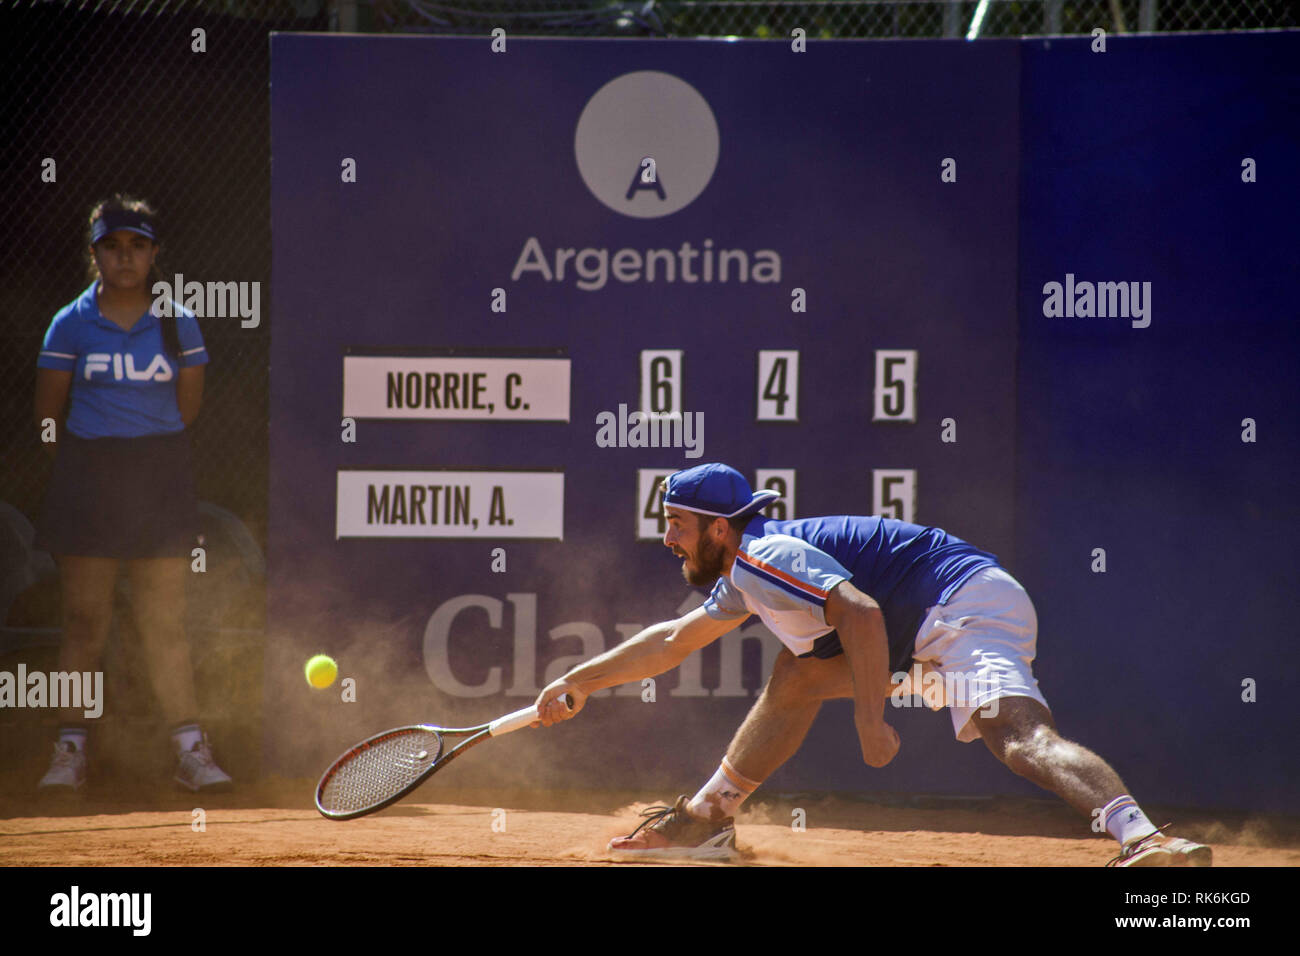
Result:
{"points": [[123, 366]]}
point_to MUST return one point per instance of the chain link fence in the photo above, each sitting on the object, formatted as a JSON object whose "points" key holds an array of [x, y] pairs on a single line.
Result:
{"points": [[818, 18], [99, 98]]}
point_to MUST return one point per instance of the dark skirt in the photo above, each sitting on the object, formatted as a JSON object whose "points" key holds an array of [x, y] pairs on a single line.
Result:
{"points": [[120, 498]]}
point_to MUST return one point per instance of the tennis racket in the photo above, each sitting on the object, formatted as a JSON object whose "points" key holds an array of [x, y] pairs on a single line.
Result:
{"points": [[382, 769]]}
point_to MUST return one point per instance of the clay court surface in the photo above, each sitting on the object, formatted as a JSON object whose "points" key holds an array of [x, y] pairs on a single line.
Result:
{"points": [[275, 824]]}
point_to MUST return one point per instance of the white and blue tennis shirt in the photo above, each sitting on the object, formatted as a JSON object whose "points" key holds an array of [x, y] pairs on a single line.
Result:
{"points": [[785, 571]]}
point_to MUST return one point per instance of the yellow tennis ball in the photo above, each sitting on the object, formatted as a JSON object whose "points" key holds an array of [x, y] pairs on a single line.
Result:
{"points": [[321, 671]]}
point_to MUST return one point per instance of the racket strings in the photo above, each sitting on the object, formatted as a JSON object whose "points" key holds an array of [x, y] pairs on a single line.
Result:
{"points": [[381, 770]]}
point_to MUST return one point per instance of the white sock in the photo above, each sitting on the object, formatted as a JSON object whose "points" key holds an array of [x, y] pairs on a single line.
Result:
{"points": [[722, 796], [1125, 820], [186, 736], [74, 737]]}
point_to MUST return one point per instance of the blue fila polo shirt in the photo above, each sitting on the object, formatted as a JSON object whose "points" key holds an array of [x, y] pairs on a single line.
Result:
{"points": [[785, 570], [123, 382]]}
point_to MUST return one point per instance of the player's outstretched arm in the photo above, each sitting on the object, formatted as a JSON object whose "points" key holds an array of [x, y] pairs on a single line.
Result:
{"points": [[652, 651], [861, 627]]}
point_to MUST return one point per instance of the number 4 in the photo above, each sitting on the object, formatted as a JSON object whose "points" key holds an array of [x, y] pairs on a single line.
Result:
{"points": [[650, 523], [778, 385]]}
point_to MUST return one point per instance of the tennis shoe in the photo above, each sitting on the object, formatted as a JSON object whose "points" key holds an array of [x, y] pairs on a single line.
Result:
{"points": [[1160, 850], [198, 771], [673, 833], [67, 771]]}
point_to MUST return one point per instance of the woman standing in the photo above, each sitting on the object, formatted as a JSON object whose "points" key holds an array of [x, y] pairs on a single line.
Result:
{"points": [[120, 383]]}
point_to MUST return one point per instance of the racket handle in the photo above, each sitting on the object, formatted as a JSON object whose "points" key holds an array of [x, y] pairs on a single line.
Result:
{"points": [[519, 719]]}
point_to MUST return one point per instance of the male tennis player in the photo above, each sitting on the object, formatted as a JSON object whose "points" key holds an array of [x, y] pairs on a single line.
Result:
{"points": [[852, 599]]}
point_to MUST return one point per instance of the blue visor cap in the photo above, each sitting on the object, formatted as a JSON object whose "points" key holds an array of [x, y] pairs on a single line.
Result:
{"points": [[715, 489], [116, 219]]}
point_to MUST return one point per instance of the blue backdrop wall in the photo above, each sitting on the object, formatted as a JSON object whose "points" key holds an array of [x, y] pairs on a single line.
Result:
{"points": [[889, 215], [1131, 439]]}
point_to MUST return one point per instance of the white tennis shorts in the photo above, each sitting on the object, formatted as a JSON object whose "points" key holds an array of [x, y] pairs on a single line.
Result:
{"points": [[973, 651]]}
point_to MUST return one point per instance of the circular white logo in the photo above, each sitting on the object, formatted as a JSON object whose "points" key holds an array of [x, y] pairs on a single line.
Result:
{"points": [[646, 144]]}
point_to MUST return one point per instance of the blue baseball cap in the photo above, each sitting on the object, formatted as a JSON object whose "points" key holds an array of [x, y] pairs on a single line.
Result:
{"points": [[715, 489], [125, 219]]}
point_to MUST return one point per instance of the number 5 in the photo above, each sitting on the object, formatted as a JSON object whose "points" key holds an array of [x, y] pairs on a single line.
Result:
{"points": [[893, 493], [895, 392]]}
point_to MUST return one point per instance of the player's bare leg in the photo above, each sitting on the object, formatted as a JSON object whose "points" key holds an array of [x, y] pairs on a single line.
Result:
{"points": [[158, 599], [1023, 736], [774, 729], [777, 724], [87, 613]]}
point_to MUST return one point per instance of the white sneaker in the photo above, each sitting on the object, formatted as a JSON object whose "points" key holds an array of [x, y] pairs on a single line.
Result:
{"points": [[67, 770], [198, 771], [1157, 849]]}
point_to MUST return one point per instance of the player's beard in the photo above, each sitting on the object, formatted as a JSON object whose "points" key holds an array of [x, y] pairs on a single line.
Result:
{"points": [[708, 564]]}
